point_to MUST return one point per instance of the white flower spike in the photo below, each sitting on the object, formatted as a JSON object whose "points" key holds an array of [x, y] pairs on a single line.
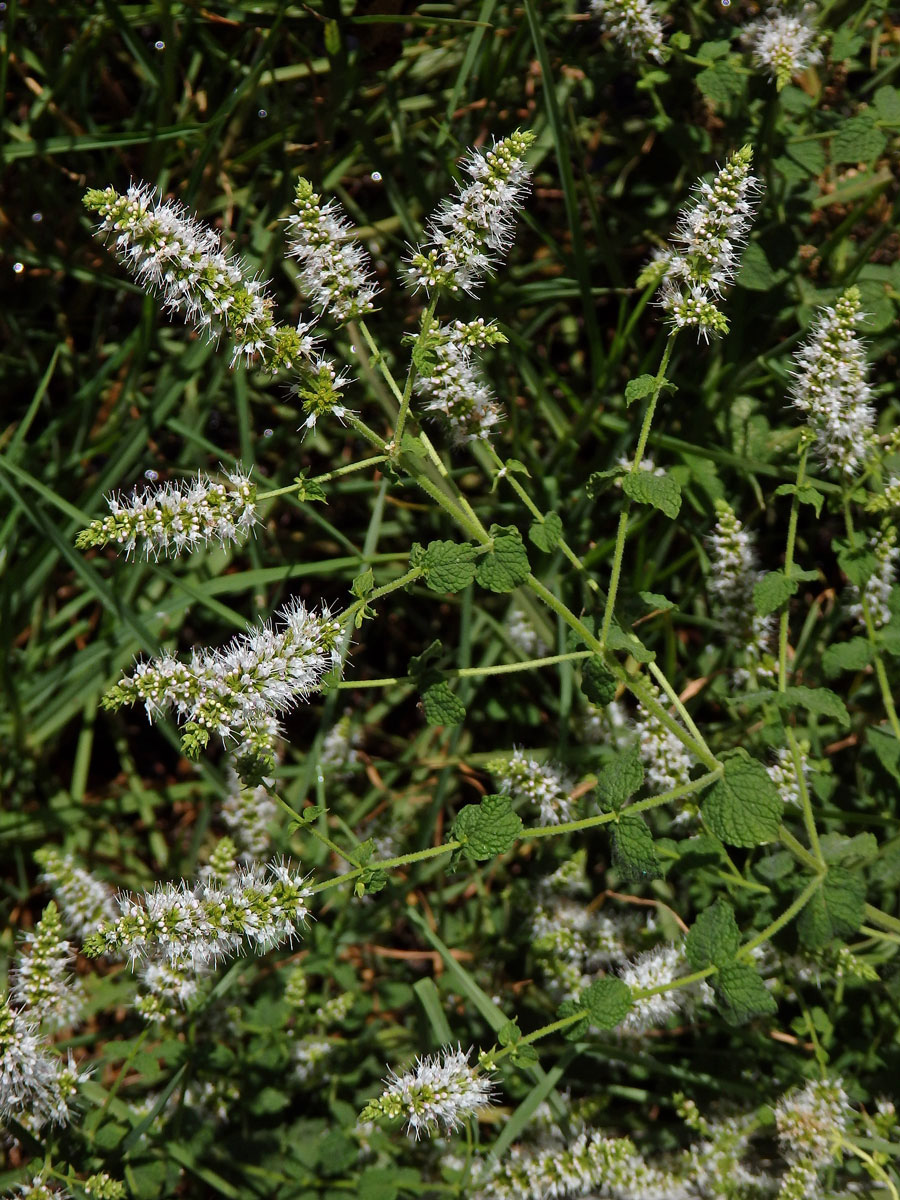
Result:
{"points": [[439, 1094], [634, 25]]}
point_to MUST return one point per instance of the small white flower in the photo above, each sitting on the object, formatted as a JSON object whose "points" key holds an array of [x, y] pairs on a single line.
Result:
{"points": [[783, 774], [634, 25], [34, 1084], [439, 1094], [238, 691], [666, 761], [470, 235], [249, 814], [335, 270], [663, 964], [338, 753], [707, 241], [41, 979], [176, 257], [177, 516], [830, 387], [202, 924], [83, 900], [733, 574], [309, 1055], [880, 584], [811, 1121], [783, 43], [537, 783], [453, 385]]}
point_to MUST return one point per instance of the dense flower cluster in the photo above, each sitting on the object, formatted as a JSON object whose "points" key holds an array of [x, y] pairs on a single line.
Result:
{"points": [[733, 574], [471, 234], [238, 691], [210, 921], [537, 783], [178, 258], [634, 25], [177, 516], [248, 813], [830, 386], [783, 43], [35, 1084], [654, 968], [83, 900], [339, 751], [707, 243], [783, 773], [452, 384], [335, 270], [440, 1093], [811, 1121], [41, 979], [878, 587], [666, 762]]}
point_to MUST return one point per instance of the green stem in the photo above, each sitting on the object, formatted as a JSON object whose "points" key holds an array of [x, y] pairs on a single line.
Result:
{"points": [[365, 431], [799, 851], [885, 920], [788, 915], [466, 672], [663, 682], [351, 611], [788, 564], [362, 465], [388, 864], [427, 318], [378, 360], [622, 531]]}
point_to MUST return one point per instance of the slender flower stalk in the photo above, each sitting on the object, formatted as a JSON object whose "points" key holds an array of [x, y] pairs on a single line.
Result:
{"points": [[470, 235], [335, 270], [452, 383], [177, 516], [831, 389], [784, 44], [238, 691], [178, 258], [211, 921], [439, 1094], [83, 900], [634, 25], [707, 243], [41, 979]]}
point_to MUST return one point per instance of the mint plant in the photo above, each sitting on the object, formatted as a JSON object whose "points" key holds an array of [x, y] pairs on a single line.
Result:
{"points": [[557, 718]]}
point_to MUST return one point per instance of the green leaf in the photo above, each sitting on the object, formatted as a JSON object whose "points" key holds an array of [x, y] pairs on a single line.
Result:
{"points": [[578, 1029], [821, 701], [308, 489], [887, 104], [857, 851], [363, 583], [633, 852], [524, 1056], [845, 44], [608, 1002], [886, 747], [835, 911], [856, 140], [421, 665], [509, 1033], [449, 566], [546, 534], [513, 464], [772, 591], [597, 681], [487, 829], [601, 481], [656, 602], [742, 994], [620, 779], [637, 389], [809, 155], [505, 566], [743, 808], [720, 82], [756, 273], [852, 655], [661, 491], [714, 938], [442, 706], [619, 639]]}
